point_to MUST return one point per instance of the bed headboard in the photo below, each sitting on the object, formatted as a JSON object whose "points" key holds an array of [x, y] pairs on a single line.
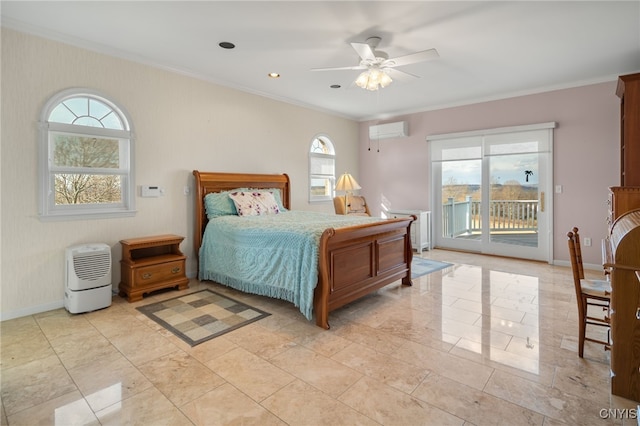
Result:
{"points": [[207, 182]]}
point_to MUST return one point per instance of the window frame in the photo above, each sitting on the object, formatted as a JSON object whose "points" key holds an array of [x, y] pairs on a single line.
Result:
{"points": [[48, 210], [313, 176]]}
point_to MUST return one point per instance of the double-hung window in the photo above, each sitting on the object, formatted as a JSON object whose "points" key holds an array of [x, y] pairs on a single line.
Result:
{"points": [[322, 170], [86, 158]]}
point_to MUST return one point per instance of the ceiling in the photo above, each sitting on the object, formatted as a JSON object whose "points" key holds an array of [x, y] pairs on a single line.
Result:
{"points": [[488, 50]]}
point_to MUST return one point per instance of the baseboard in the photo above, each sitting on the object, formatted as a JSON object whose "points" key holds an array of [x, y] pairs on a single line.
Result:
{"points": [[590, 266], [32, 310]]}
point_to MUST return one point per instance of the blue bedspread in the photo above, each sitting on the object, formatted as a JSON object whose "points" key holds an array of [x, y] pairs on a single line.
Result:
{"points": [[270, 255]]}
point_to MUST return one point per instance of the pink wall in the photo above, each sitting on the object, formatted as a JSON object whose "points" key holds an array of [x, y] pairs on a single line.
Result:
{"points": [[586, 155]]}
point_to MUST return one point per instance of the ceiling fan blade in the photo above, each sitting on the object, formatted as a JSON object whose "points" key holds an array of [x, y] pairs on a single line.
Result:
{"points": [[413, 58], [364, 51], [398, 75], [355, 67]]}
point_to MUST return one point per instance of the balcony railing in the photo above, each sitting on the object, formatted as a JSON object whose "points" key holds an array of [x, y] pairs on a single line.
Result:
{"points": [[465, 217]]}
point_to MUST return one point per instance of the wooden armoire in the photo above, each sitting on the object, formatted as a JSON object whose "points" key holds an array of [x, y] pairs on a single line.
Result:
{"points": [[627, 196]]}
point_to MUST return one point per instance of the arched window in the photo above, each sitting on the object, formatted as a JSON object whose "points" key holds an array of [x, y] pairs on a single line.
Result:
{"points": [[86, 158], [322, 169]]}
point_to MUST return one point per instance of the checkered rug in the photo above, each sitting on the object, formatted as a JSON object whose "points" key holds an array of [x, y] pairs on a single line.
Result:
{"points": [[201, 316], [421, 266]]}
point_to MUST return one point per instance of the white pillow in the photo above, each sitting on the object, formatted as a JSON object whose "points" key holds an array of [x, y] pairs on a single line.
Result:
{"points": [[254, 203]]}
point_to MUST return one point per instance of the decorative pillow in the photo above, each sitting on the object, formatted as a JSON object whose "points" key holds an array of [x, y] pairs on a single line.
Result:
{"points": [[254, 203], [219, 204], [277, 195], [275, 191], [357, 204]]}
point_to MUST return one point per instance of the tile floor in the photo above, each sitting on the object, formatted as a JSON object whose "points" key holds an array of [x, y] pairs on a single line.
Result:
{"points": [[488, 341]]}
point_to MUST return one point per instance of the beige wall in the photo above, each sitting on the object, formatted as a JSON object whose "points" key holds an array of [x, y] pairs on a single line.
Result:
{"points": [[180, 123]]}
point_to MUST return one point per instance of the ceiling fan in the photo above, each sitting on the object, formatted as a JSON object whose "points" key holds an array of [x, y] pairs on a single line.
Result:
{"points": [[379, 68]]}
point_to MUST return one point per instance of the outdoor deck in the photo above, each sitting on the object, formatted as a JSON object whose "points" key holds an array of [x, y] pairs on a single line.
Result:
{"points": [[528, 239]]}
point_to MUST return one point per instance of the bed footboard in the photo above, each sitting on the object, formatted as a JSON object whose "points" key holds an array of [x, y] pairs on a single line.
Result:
{"points": [[358, 260]]}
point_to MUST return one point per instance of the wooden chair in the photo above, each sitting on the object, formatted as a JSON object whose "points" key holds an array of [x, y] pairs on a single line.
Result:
{"points": [[595, 293], [356, 205]]}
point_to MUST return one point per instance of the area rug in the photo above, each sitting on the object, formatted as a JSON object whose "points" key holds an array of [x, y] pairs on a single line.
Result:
{"points": [[421, 266], [201, 316]]}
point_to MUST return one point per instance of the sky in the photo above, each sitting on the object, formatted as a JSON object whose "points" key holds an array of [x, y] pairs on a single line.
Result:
{"points": [[502, 169]]}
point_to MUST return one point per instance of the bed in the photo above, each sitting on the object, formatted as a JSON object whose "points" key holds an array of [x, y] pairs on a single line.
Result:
{"points": [[352, 260]]}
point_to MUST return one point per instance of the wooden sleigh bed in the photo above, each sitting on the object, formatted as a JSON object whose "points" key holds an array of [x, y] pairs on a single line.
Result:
{"points": [[353, 261]]}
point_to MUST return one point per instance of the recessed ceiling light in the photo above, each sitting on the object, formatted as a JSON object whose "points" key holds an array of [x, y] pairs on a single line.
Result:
{"points": [[335, 86], [226, 45], [274, 75]]}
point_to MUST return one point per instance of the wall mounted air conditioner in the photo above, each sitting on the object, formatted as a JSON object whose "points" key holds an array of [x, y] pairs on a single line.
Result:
{"points": [[399, 129], [87, 283]]}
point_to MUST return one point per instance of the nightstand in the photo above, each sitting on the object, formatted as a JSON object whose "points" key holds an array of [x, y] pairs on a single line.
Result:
{"points": [[151, 263]]}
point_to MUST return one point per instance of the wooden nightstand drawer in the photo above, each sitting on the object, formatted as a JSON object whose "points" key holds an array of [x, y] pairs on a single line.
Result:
{"points": [[152, 274]]}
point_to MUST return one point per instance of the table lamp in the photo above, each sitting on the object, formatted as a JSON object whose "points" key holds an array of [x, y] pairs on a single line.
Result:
{"points": [[347, 183]]}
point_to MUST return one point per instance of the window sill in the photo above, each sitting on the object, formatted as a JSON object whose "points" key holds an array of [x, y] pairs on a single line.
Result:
{"points": [[57, 217]]}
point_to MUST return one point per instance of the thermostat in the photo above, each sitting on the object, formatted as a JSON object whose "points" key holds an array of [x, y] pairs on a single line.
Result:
{"points": [[151, 191]]}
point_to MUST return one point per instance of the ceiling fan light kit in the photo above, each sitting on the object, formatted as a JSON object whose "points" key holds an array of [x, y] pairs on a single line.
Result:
{"points": [[373, 79]]}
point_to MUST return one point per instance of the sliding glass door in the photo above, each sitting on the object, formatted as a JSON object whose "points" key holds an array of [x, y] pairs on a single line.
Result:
{"points": [[491, 191]]}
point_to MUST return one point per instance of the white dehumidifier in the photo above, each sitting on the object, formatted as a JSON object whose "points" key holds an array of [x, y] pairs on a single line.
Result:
{"points": [[87, 283]]}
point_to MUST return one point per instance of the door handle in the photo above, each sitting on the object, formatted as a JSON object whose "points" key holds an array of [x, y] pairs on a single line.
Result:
{"points": [[541, 201]]}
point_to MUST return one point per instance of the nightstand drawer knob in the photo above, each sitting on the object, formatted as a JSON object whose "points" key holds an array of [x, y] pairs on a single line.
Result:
{"points": [[175, 270], [146, 276]]}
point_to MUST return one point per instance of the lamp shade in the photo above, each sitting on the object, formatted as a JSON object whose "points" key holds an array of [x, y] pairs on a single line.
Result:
{"points": [[347, 183]]}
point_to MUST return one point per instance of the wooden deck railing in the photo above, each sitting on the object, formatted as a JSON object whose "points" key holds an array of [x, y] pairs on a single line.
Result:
{"points": [[465, 217]]}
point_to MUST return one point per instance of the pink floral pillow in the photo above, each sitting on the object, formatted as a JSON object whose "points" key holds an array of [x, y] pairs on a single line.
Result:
{"points": [[254, 203]]}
